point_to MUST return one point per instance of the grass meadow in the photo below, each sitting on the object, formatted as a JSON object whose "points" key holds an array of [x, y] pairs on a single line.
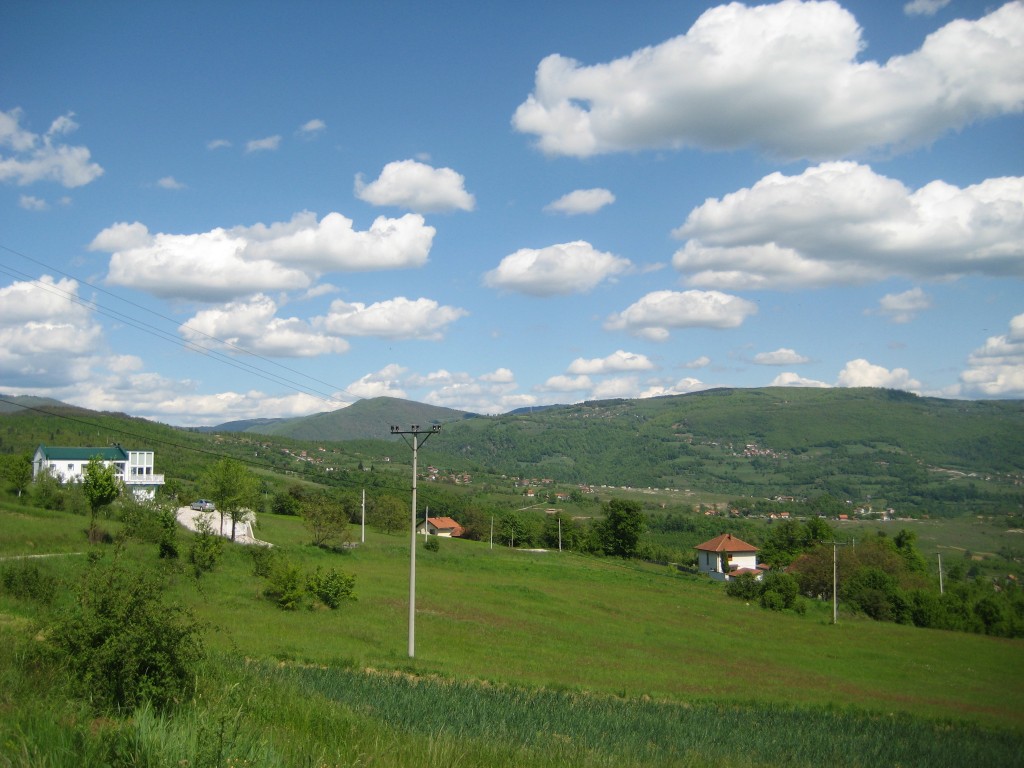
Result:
{"points": [[522, 658]]}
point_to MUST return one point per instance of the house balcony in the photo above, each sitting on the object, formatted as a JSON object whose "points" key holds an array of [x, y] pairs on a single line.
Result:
{"points": [[143, 480]]}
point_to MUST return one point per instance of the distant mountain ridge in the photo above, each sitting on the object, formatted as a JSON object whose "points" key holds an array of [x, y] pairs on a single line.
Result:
{"points": [[369, 419]]}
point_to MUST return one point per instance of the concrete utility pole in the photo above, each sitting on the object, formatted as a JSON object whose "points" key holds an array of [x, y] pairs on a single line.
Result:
{"points": [[939, 554], [414, 430], [835, 577]]}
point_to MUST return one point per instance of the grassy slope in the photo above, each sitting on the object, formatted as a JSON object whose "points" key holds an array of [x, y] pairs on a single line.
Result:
{"points": [[639, 665], [568, 622]]}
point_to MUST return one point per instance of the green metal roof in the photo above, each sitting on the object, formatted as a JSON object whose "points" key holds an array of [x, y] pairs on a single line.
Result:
{"points": [[110, 453]]}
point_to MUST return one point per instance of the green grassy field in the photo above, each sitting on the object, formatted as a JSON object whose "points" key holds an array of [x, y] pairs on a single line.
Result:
{"points": [[523, 658]]}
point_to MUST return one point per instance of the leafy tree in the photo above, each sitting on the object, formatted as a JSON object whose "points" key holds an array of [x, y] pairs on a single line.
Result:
{"points": [[16, 471], [284, 503], [620, 530], [233, 489], [101, 487], [906, 547], [123, 645], [512, 530], [325, 518], [388, 513]]}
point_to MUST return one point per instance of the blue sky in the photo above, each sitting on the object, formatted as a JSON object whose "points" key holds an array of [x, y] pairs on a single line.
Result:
{"points": [[218, 211]]}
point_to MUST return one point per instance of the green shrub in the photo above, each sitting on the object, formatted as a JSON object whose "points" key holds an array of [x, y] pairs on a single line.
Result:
{"points": [[286, 587], [432, 544], [262, 561], [26, 581], [123, 645], [744, 586], [331, 587], [206, 548]]}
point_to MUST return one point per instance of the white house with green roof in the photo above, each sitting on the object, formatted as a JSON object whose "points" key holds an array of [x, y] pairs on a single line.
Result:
{"points": [[133, 468]]}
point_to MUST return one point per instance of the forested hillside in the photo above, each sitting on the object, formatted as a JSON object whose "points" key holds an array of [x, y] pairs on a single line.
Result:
{"points": [[850, 443]]}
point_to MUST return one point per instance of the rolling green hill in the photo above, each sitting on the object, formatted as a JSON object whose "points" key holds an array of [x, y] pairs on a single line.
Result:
{"points": [[369, 419], [884, 447]]}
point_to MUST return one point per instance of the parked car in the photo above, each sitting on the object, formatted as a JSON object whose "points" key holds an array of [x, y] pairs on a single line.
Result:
{"points": [[203, 505]]}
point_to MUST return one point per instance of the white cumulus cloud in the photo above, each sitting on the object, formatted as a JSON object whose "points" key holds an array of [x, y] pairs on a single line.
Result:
{"points": [[842, 223], [902, 307], [924, 7], [781, 356], [312, 128], [790, 379], [616, 362], [26, 157], [398, 318], [169, 182], [560, 269], [996, 369], [861, 373], [254, 326], [268, 144], [47, 338], [418, 187], [581, 201], [785, 78], [223, 264], [653, 316]]}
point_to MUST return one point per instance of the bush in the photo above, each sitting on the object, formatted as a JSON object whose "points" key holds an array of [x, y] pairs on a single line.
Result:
{"points": [[432, 544], [286, 587], [784, 585], [745, 587], [332, 587], [262, 561], [206, 548], [122, 645], [26, 581]]}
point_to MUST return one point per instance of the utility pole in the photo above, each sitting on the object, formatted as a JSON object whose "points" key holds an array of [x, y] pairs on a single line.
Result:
{"points": [[414, 430], [939, 555], [363, 523], [835, 577]]}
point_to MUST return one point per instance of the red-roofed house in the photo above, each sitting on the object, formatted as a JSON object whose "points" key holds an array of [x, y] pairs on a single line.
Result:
{"points": [[725, 556], [440, 526]]}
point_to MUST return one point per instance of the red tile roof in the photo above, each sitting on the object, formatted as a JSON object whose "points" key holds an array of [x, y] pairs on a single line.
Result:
{"points": [[726, 543], [446, 524]]}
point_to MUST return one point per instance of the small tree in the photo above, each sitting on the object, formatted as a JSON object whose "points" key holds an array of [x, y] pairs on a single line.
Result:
{"points": [[16, 471], [101, 487], [325, 518], [233, 489], [206, 548], [388, 513], [620, 531]]}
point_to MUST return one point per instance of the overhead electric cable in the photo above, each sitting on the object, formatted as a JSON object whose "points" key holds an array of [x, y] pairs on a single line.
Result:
{"points": [[146, 327]]}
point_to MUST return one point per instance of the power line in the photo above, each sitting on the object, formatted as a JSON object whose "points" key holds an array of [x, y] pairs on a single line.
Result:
{"points": [[148, 439], [167, 336]]}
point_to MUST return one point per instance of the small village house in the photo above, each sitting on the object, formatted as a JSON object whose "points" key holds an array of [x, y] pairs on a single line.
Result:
{"points": [[133, 468], [440, 526], [726, 556]]}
